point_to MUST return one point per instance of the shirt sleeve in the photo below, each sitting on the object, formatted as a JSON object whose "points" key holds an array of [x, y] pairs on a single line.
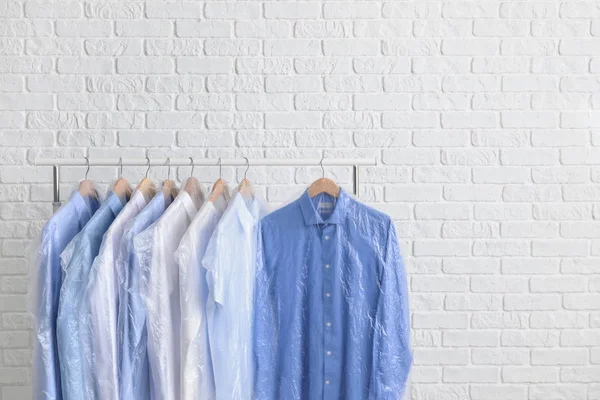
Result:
{"points": [[265, 330], [43, 302], [392, 356]]}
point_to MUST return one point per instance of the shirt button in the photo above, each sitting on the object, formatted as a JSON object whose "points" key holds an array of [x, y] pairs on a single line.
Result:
{"points": [[327, 265], [329, 324], [328, 353], [327, 382], [328, 294], [326, 237]]}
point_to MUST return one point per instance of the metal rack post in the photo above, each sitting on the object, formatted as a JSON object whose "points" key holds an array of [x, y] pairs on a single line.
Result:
{"points": [[56, 187]]}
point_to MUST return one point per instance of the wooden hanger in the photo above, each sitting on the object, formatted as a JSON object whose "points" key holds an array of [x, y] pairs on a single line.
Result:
{"points": [[192, 184], [245, 187], [86, 186], [218, 188], [121, 187], [146, 186], [169, 188], [324, 185]]}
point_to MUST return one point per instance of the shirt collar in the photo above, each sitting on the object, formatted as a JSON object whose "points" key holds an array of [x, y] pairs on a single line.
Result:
{"points": [[138, 199], [114, 202], [158, 204], [188, 203], [221, 202], [81, 204], [247, 211], [312, 217]]}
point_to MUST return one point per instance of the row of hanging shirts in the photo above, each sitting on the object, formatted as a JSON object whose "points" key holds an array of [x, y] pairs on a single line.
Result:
{"points": [[116, 289], [161, 293]]}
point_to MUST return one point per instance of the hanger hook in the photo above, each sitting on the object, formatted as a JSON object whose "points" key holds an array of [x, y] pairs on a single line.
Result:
{"points": [[87, 160], [192, 162], [322, 168], [247, 167], [169, 173], [148, 170], [120, 167], [220, 168]]}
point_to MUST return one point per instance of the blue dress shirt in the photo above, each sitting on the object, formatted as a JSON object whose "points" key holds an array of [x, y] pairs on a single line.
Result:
{"points": [[58, 232], [134, 370], [331, 303], [77, 261]]}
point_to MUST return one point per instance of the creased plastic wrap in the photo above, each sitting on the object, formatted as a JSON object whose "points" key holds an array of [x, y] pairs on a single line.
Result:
{"points": [[197, 380], [76, 260], [45, 281], [230, 263], [155, 248], [331, 314], [99, 309], [132, 333]]}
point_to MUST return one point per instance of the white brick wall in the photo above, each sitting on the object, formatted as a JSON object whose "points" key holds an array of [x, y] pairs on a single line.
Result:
{"points": [[485, 117]]}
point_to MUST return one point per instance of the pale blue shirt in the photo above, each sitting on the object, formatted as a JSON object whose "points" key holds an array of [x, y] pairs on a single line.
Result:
{"points": [[58, 232], [99, 309], [197, 380], [230, 264], [331, 307], [77, 261], [159, 288], [131, 326]]}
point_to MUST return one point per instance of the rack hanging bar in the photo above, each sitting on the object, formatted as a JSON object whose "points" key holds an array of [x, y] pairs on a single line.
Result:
{"points": [[56, 163], [207, 162]]}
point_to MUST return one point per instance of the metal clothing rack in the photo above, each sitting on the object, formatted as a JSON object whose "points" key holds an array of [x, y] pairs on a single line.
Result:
{"points": [[56, 163]]}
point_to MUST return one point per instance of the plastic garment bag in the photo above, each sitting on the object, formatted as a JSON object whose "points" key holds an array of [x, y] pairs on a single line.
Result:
{"points": [[99, 308], [159, 288], [132, 334], [197, 381], [76, 261], [44, 291], [331, 303], [230, 263]]}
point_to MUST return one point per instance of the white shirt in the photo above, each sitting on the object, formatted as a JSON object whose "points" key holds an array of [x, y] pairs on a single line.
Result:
{"points": [[101, 305], [197, 380], [160, 291], [230, 263]]}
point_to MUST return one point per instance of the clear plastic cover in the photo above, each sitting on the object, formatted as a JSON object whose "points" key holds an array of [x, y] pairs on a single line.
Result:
{"points": [[44, 288], [159, 287], [99, 308], [77, 260], [331, 316], [132, 313], [230, 263], [197, 381]]}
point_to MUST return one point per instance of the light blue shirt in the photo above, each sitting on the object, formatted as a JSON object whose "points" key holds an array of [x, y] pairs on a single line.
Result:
{"points": [[159, 288], [58, 232], [197, 380], [230, 261], [331, 303], [77, 261], [99, 308], [134, 370]]}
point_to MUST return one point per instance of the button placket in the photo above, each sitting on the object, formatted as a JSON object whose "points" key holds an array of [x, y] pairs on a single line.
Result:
{"points": [[328, 251]]}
